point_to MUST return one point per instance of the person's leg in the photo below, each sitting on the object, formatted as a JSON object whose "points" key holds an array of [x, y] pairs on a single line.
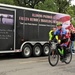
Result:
{"points": [[71, 46], [63, 58], [74, 47], [64, 48]]}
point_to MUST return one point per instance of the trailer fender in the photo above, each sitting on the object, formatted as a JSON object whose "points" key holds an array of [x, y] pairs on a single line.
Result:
{"points": [[24, 43]]}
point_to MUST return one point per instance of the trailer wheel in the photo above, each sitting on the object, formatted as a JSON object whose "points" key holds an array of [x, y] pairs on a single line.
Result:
{"points": [[37, 50], [27, 51], [45, 49]]}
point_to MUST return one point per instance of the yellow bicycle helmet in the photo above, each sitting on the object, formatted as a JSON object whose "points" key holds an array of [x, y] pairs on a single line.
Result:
{"points": [[59, 24]]}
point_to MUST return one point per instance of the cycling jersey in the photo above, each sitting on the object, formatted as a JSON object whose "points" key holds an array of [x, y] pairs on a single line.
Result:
{"points": [[61, 33]]}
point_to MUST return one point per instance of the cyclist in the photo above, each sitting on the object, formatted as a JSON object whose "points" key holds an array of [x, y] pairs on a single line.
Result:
{"points": [[63, 40], [51, 33]]}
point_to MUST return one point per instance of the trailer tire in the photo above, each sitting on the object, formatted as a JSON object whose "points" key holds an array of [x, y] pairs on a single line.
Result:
{"points": [[37, 50], [27, 50], [45, 49]]}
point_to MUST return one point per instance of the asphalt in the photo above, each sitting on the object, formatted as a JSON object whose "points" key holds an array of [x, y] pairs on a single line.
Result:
{"points": [[13, 65]]}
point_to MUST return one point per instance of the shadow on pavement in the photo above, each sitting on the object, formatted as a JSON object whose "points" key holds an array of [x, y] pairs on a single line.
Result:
{"points": [[9, 56]]}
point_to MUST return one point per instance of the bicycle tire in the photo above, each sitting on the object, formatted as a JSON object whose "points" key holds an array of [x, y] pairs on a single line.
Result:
{"points": [[50, 60], [69, 55]]}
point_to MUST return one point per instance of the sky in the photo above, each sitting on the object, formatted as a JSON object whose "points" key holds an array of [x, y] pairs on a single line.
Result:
{"points": [[73, 2]]}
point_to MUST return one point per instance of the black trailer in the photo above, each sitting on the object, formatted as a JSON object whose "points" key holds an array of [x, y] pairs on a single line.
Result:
{"points": [[25, 30]]}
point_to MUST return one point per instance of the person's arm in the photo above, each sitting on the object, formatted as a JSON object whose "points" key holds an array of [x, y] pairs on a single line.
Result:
{"points": [[55, 35], [50, 35]]}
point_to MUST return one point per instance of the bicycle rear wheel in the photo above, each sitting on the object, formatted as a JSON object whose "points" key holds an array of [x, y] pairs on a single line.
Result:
{"points": [[68, 57], [53, 57]]}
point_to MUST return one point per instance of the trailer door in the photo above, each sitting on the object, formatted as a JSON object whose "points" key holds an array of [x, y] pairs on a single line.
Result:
{"points": [[7, 29]]}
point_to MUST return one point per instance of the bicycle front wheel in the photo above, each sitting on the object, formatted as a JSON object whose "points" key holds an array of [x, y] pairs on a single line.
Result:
{"points": [[53, 57]]}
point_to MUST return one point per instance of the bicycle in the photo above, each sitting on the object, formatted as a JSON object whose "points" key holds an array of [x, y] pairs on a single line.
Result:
{"points": [[54, 55]]}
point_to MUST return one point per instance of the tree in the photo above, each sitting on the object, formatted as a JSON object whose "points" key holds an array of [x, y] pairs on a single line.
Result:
{"points": [[54, 5], [48, 5], [27, 3], [62, 5], [70, 11], [7, 1], [73, 17], [73, 8]]}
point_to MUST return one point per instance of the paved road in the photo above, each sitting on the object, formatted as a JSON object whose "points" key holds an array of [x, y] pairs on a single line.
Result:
{"points": [[34, 66]]}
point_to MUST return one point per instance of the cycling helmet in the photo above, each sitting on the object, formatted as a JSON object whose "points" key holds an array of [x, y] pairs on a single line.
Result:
{"points": [[59, 24]]}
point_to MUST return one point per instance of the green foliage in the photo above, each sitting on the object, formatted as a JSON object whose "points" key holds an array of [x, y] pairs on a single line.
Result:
{"points": [[48, 5], [73, 8], [70, 10], [62, 5], [73, 17], [7, 1], [27, 3], [54, 5], [73, 22]]}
